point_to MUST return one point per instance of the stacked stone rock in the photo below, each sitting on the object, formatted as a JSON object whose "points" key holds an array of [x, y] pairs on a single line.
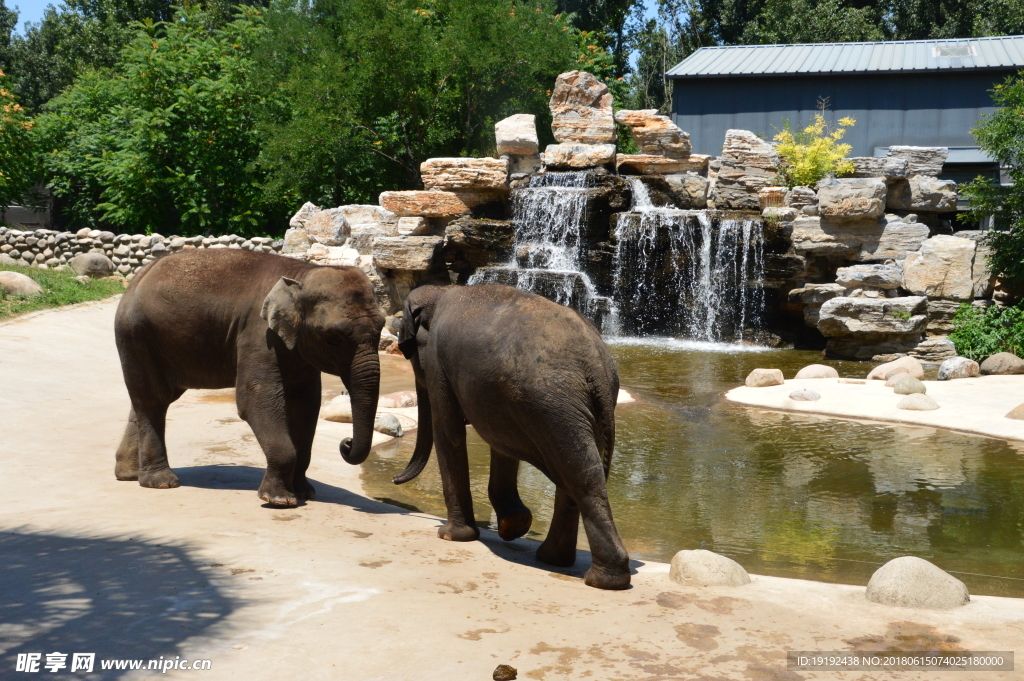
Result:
{"points": [[582, 123], [128, 252]]}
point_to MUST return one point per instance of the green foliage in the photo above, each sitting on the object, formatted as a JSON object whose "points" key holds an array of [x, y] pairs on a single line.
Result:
{"points": [[19, 169], [812, 21], [1001, 136], [900, 314], [59, 288], [978, 334], [815, 152], [375, 87], [167, 140]]}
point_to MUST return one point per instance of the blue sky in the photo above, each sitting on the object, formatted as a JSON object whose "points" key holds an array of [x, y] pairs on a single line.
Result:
{"points": [[29, 10]]}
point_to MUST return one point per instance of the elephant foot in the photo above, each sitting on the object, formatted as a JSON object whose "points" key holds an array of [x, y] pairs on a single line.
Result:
{"points": [[163, 478], [275, 494], [304, 491], [458, 532], [515, 525], [603, 578], [551, 553], [124, 470]]}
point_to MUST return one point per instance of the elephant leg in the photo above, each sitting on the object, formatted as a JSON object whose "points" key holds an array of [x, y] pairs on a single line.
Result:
{"points": [[150, 420], [126, 466], [453, 460], [514, 518], [283, 419], [610, 565], [559, 547]]}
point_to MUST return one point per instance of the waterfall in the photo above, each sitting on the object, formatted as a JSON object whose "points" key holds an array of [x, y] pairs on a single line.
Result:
{"points": [[550, 217], [678, 273]]}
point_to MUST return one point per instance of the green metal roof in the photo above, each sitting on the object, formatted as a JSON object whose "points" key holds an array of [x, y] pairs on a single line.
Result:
{"points": [[1001, 52]]}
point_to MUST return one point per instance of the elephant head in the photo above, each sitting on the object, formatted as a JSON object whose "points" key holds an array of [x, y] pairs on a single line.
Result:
{"points": [[330, 318]]}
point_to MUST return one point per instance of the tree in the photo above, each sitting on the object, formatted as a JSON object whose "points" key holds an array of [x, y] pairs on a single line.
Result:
{"points": [[1001, 136], [375, 87], [608, 22], [167, 140], [18, 163], [813, 21]]}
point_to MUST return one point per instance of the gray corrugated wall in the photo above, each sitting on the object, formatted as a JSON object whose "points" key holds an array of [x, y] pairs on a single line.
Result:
{"points": [[932, 109]]}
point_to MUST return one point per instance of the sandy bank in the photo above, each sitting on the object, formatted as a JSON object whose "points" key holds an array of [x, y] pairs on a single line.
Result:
{"points": [[971, 405], [346, 587]]}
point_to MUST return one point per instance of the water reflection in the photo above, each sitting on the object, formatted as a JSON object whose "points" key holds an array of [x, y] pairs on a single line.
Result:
{"points": [[784, 494]]}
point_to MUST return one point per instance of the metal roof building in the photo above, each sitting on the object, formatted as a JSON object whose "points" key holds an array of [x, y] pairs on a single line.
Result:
{"points": [[919, 92]]}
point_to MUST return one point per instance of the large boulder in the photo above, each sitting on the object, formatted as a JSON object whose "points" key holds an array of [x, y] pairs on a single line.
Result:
{"points": [[762, 378], [574, 156], [648, 164], [921, 160], [1002, 363], [581, 110], [934, 350], [922, 193], [92, 265], [912, 582], [328, 227], [844, 316], [852, 199], [689, 190], [706, 568], [471, 243], [517, 135], [981, 272], [464, 173], [18, 284], [873, 276], [871, 166], [418, 253], [430, 204], [747, 165], [958, 367], [818, 235], [941, 269], [812, 297], [298, 221], [897, 238], [655, 134], [817, 371], [296, 241], [911, 366]]}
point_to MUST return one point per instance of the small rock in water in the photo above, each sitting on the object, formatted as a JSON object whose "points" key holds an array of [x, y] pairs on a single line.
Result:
{"points": [[505, 672], [706, 568], [958, 367], [388, 424], [911, 582], [912, 365], [917, 402], [762, 378], [894, 376], [908, 385], [804, 395], [1003, 363], [399, 400], [338, 410], [817, 371]]}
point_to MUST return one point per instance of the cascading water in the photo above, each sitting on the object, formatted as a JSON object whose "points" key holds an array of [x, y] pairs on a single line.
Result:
{"points": [[677, 274], [550, 222]]}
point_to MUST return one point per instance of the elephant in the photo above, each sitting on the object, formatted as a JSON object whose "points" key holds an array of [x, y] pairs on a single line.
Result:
{"points": [[538, 384], [264, 324]]}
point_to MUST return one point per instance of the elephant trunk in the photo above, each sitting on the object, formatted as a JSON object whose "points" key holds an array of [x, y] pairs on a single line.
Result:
{"points": [[424, 438], [364, 389]]}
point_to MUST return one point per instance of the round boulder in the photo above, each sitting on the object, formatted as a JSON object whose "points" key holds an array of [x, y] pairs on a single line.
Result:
{"points": [[92, 265], [7, 260], [917, 402], [18, 284], [804, 395], [762, 378], [908, 385], [388, 424], [1017, 413], [958, 367], [817, 371], [894, 376], [706, 568], [913, 367], [338, 410], [911, 582], [1003, 363], [399, 400]]}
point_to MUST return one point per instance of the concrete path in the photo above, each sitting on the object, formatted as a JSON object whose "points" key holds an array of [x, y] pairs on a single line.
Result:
{"points": [[345, 587], [971, 405]]}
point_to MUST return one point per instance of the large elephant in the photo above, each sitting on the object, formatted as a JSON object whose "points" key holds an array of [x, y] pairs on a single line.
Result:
{"points": [[538, 384], [264, 324]]}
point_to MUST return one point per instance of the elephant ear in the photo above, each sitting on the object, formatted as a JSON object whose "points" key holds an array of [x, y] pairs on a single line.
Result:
{"points": [[416, 313], [281, 310]]}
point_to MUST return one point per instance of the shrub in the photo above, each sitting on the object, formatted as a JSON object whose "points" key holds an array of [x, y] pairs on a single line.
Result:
{"points": [[813, 153], [980, 333]]}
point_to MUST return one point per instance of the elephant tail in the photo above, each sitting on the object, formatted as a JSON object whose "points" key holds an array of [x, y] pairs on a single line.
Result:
{"points": [[424, 437], [604, 424], [415, 467]]}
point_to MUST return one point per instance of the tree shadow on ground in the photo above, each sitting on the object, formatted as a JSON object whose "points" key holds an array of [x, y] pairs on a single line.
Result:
{"points": [[117, 598]]}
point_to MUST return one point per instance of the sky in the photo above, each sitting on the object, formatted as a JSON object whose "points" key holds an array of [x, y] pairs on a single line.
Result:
{"points": [[29, 10]]}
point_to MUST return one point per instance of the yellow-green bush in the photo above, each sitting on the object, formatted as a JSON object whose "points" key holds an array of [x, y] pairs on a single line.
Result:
{"points": [[815, 152]]}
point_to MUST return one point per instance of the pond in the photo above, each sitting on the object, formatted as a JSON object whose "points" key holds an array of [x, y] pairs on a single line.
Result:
{"points": [[790, 495]]}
